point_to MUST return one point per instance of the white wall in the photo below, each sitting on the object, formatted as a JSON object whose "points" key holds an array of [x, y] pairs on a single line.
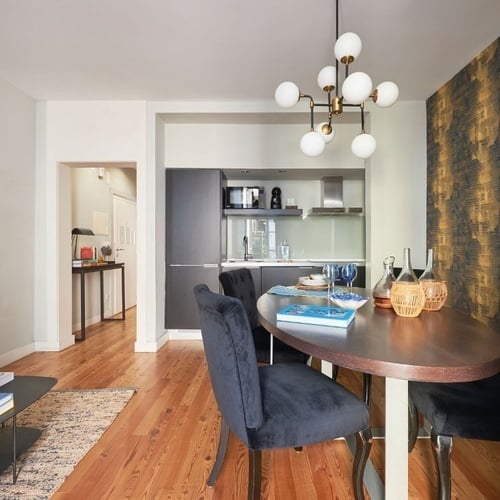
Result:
{"points": [[17, 225], [396, 186], [257, 145], [72, 132]]}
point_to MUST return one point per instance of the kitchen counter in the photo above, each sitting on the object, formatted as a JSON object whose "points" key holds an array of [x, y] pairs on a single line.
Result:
{"points": [[237, 263]]}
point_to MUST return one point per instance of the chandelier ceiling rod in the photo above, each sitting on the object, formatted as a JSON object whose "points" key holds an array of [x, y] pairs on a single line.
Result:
{"points": [[356, 89]]}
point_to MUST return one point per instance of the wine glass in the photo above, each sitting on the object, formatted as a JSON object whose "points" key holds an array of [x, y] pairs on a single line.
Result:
{"points": [[349, 273], [331, 272]]}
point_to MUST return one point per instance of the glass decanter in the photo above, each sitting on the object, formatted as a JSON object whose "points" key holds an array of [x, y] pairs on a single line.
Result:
{"points": [[429, 273], [382, 290], [407, 275]]}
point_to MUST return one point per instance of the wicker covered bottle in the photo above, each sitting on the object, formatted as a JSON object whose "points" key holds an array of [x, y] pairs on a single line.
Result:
{"points": [[407, 294]]}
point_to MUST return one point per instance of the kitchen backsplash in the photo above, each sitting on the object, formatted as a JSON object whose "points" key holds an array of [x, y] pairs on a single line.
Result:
{"points": [[323, 237]]}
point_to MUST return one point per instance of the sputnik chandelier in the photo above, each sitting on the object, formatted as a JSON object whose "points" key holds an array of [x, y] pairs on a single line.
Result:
{"points": [[356, 89]]}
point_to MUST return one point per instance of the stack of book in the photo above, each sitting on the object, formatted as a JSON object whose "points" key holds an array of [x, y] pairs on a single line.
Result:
{"points": [[84, 262], [6, 377], [6, 402], [6, 398]]}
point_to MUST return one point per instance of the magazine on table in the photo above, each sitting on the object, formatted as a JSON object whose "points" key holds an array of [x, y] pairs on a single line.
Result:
{"points": [[316, 315]]}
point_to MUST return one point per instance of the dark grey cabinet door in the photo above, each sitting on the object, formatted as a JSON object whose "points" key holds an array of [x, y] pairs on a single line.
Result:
{"points": [[182, 311], [286, 276], [193, 216]]}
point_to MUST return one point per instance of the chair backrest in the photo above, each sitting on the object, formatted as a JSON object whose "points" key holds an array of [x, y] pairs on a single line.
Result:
{"points": [[231, 360], [239, 283]]}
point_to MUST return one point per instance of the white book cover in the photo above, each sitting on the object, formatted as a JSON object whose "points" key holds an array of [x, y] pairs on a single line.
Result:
{"points": [[6, 377]]}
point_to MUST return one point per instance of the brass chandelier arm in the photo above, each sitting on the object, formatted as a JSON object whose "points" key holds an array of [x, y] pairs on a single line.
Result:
{"points": [[311, 107], [362, 108]]}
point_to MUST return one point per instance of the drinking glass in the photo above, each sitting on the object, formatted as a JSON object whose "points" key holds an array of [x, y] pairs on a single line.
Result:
{"points": [[349, 273], [331, 272]]}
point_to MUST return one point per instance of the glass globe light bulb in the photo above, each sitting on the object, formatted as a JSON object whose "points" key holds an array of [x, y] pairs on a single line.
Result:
{"points": [[357, 87], [312, 144], [322, 130], [287, 94], [363, 145], [348, 47], [387, 94], [326, 78]]}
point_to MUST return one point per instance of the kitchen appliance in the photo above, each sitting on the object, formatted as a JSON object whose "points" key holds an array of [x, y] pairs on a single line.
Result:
{"points": [[276, 198], [332, 198], [244, 197]]}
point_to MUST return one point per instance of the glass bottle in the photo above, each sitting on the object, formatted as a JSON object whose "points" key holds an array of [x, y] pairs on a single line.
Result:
{"points": [[285, 250], [382, 290], [429, 273], [407, 275]]}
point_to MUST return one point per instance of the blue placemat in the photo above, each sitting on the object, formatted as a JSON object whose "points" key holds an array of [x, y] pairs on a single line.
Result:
{"points": [[292, 291]]}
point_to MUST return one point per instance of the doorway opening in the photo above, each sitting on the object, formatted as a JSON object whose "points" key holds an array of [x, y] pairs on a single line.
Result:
{"points": [[98, 191]]}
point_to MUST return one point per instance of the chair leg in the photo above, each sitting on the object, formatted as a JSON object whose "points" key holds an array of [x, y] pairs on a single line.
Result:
{"points": [[221, 453], [442, 445], [367, 388], [254, 474], [363, 446], [412, 425]]}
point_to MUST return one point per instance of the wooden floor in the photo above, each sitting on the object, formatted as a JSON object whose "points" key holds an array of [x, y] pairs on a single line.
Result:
{"points": [[163, 443]]}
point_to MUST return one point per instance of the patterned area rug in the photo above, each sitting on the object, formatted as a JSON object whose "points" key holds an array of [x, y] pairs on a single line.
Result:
{"points": [[71, 423]]}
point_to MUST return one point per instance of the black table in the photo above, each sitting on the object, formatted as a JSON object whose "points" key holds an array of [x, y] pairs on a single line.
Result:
{"points": [[443, 346], [100, 268], [14, 440]]}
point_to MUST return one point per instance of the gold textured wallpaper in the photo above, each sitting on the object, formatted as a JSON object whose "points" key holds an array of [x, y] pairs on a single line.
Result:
{"points": [[463, 168]]}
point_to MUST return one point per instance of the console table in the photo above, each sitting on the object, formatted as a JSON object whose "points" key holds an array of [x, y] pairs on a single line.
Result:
{"points": [[100, 268], [14, 440]]}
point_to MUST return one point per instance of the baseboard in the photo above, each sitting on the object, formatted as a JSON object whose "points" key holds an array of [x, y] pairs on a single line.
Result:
{"points": [[54, 346], [151, 346], [18, 353], [175, 334]]}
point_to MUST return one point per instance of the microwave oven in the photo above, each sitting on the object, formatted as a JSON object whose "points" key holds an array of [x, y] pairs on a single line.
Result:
{"points": [[244, 197]]}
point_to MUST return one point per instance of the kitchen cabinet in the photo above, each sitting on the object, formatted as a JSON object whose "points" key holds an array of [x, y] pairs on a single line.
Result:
{"points": [[194, 241], [287, 276], [280, 275]]}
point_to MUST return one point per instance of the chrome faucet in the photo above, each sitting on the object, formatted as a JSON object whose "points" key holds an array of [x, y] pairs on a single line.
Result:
{"points": [[245, 248]]}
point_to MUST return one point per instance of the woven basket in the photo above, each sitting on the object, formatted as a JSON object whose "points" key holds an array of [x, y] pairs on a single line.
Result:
{"points": [[407, 299], [436, 293]]}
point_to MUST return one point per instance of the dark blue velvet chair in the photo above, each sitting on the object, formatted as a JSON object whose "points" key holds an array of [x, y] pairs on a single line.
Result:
{"points": [[239, 283], [466, 409], [272, 406]]}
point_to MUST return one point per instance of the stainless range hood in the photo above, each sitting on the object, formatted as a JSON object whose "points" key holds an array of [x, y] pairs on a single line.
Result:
{"points": [[332, 198]]}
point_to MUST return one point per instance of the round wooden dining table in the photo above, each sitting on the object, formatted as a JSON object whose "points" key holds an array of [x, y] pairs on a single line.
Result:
{"points": [[442, 346]]}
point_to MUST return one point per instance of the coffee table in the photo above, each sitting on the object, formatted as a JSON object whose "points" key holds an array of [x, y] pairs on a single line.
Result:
{"points": [[15, 440]]}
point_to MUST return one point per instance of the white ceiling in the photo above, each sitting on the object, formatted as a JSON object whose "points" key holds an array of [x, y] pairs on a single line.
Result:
{"points": [[231, 49]]}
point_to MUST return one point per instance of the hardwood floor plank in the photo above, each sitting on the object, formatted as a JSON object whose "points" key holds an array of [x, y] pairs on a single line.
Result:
{"points": [[163, 444]]}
